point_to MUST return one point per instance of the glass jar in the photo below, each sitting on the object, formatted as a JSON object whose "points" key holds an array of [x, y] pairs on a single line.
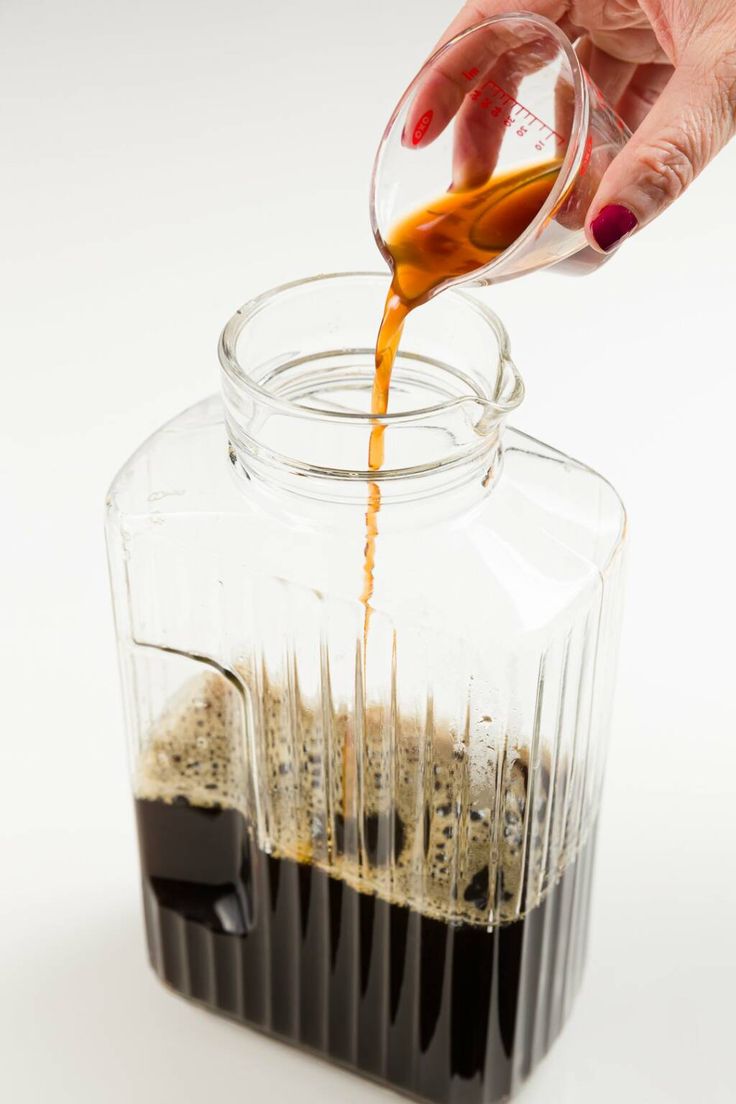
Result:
{"points": [[373, 842]]}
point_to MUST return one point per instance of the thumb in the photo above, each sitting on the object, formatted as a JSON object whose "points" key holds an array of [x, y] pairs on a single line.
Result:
{"points": [[691, 121]]}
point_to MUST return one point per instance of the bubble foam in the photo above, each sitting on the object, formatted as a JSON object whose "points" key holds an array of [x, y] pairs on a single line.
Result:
{"points": [[390, 808]]}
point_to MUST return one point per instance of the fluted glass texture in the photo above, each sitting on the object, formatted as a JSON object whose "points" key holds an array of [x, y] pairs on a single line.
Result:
{"points": [[376, 844]]}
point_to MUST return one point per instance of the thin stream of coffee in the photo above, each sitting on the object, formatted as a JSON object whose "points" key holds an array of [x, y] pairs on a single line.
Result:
{"points": [[394, 314], [455, 235]]}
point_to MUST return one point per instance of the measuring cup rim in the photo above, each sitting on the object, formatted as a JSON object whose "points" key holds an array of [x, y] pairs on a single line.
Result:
{"points": [[239, 377], [570, 163]]}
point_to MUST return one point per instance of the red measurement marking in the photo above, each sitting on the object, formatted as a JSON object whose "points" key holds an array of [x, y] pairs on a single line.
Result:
{"points": [[498, 93], [471, 74], [421, 128]]}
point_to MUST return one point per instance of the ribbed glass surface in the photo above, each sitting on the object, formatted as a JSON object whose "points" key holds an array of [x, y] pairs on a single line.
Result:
{"points": [[333, 855], [380, 849]]}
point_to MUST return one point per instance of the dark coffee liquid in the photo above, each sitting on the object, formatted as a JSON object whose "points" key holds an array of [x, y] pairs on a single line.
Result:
{"points": [[448, 1012]]}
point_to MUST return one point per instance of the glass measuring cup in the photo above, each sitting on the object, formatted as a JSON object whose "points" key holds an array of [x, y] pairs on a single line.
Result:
{"points": [[507, 95]]}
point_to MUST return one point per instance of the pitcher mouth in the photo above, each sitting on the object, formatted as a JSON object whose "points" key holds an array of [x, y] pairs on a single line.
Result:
{"points": [[497, 395], [298, 367]]}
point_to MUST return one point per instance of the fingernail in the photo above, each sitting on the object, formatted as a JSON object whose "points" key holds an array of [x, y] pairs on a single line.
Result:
{"points": [[611, 224]]}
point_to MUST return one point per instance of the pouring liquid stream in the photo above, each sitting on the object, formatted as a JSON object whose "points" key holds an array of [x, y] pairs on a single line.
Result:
{"points": [[455, 235]]}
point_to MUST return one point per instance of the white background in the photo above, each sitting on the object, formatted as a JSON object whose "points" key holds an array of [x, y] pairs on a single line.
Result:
{"points": [[160, 162]]}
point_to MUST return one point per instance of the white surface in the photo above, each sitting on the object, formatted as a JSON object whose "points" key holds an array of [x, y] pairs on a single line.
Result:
{"points": [[160, 162]]}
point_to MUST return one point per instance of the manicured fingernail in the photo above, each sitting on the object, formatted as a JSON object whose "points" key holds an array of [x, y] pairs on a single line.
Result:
{"points": [[611, 224]]}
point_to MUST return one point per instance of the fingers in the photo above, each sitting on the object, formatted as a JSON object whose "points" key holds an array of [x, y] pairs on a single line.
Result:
{"points": [[437, 99], [643, 91], [458, 71], [475, 11], [482, 123], [478, 134], [690, 122], [610, 74]]}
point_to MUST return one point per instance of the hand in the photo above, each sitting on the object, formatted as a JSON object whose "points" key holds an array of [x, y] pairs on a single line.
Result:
{"points": [[669, 69]]}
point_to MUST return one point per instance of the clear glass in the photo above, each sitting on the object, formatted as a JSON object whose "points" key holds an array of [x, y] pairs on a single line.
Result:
{"points": [[380, 851], [516, 96]]}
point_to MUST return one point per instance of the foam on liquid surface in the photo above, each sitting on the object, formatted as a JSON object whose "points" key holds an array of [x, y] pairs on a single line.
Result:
{"points": [[434, 835]]}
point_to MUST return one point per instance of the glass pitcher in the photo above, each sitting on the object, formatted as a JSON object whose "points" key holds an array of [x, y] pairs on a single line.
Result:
{"points": [[376, 845]]}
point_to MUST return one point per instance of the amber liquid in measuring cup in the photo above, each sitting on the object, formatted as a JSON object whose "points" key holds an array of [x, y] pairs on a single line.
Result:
{"points": [[455, 235]]}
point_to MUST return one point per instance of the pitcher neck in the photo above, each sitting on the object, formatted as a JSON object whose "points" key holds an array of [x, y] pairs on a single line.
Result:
{"points": [[297, 373], [464, 473]]}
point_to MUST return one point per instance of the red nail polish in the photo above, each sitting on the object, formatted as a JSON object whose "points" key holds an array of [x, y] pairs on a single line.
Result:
{"points": [[611, 224]]}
